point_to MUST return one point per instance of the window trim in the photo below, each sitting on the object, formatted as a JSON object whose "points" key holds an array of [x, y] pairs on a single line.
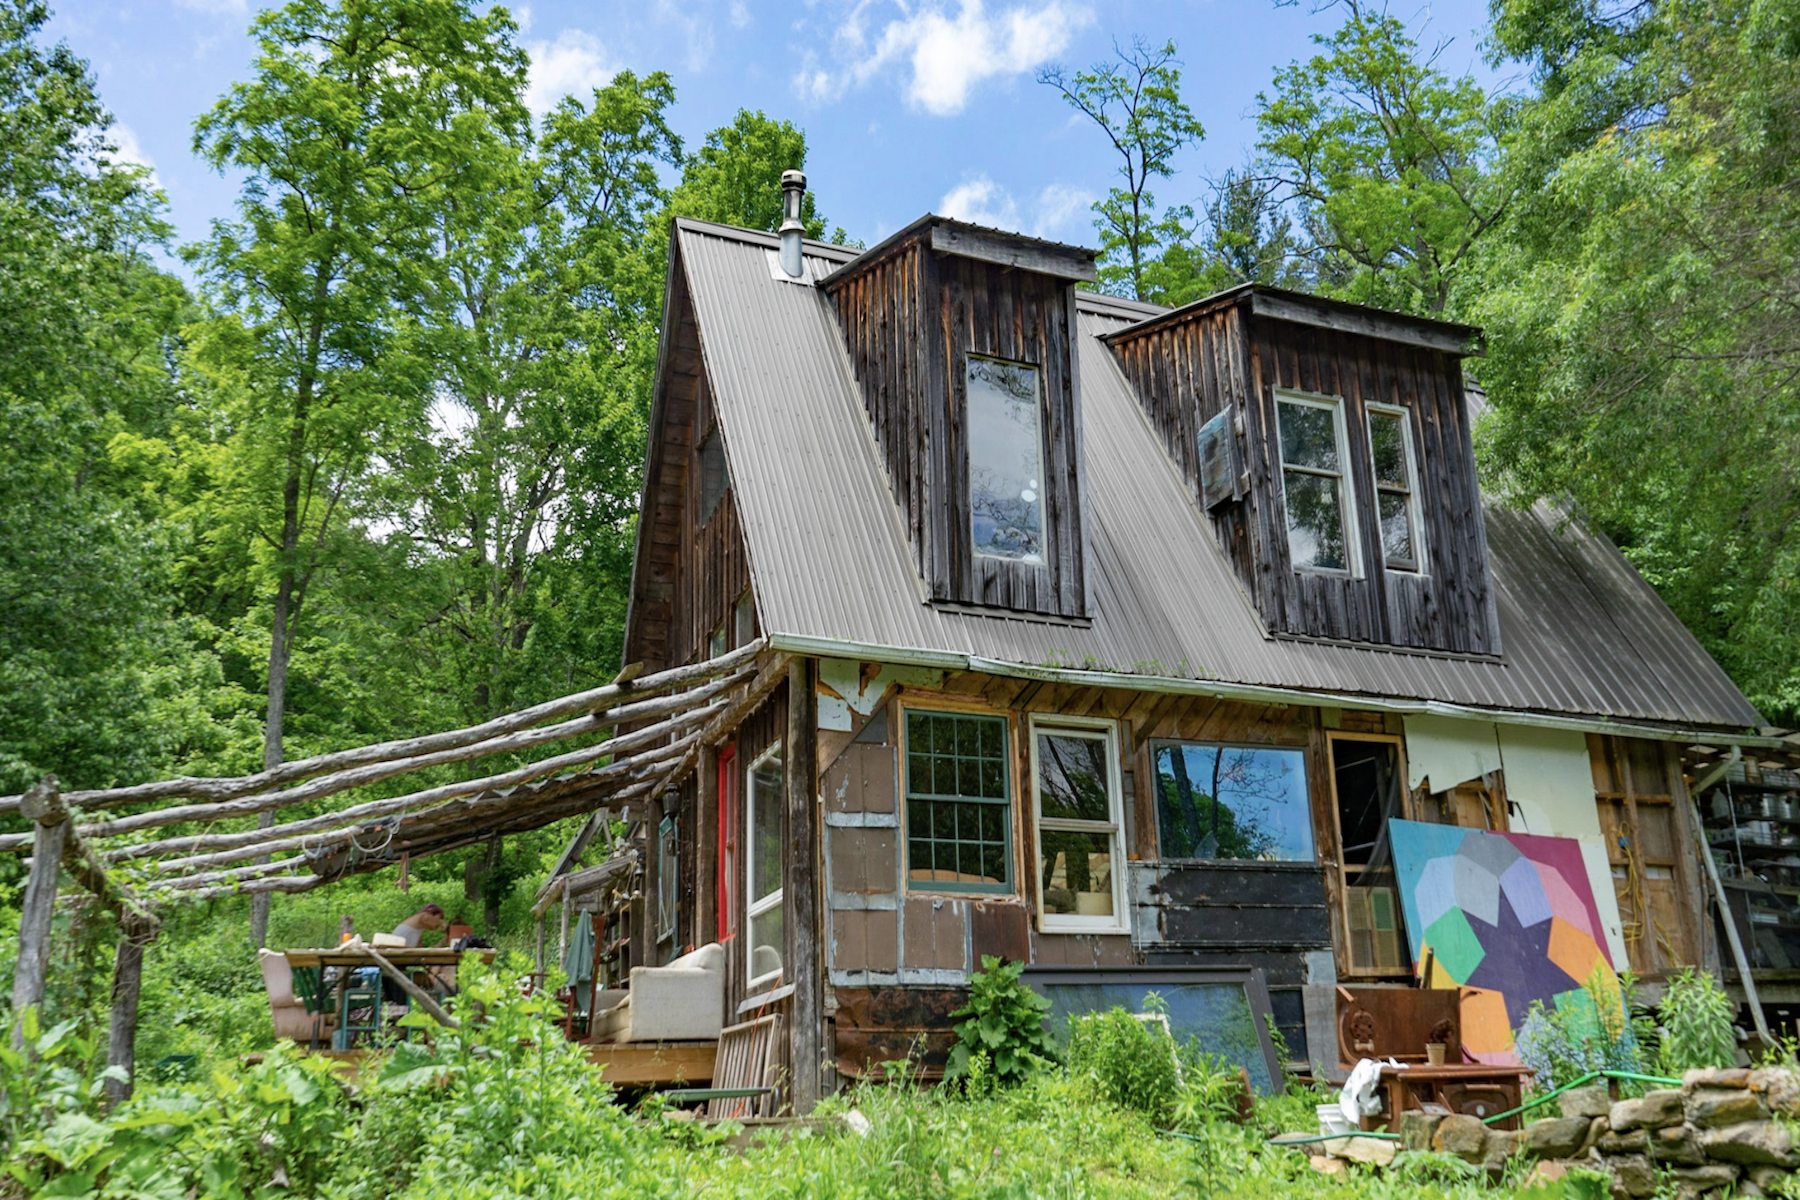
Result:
{"points": [[976, 554], [754, 908], [1306, 778], [1120, 919], [954, 888], [1346, 486], [668, 879], [1414, 515]]}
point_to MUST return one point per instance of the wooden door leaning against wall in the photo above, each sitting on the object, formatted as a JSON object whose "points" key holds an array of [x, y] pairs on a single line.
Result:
{"points": [[1650, 847]]}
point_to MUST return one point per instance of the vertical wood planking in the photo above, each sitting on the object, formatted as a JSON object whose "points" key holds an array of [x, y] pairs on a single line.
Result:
{"points": [[911, 320], [1185, 371]]}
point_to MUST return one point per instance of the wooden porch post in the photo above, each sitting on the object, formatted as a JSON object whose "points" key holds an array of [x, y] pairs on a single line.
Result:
{"points": [[706, 847], [50, 836], [803, 965]]}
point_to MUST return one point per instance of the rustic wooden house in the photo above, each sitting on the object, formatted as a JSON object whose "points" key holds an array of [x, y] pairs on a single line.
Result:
{"points": [[1113, 637]]}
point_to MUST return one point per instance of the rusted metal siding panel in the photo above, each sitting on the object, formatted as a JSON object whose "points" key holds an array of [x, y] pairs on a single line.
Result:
{"points": [[828, 548]]}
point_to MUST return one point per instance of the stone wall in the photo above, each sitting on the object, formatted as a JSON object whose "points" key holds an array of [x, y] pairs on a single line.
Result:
{"points": [[1720, 1129]]}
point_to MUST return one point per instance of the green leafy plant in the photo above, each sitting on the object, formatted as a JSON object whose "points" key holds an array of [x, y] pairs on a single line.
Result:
{"points": [[1696, 1024], [1003, 1020], [1590, 1030], [1132, 1061]]}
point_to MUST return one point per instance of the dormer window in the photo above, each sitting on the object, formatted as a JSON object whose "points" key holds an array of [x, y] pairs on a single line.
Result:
{"points": [[1320, 516], [964, 342], [1006, 461], [1396, 496]]}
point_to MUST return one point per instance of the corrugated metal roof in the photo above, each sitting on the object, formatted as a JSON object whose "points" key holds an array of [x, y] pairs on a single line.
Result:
{"points": [[1583, 634]]}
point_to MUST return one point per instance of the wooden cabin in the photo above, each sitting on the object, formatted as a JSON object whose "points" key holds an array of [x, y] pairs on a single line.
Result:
{"points": [[1116, 637]]}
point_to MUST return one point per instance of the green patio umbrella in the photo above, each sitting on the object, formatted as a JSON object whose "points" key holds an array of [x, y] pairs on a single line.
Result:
{"points": [[578, 963]]}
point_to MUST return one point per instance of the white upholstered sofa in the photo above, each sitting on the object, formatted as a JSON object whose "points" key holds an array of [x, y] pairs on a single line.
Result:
{"points": [[684, 1001]]}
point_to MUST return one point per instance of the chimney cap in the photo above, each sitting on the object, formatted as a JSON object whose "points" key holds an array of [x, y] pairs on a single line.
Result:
{"points": [[793, 179]]}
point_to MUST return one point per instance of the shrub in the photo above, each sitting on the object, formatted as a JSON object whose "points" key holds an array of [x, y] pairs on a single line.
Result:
{"points": [[1590, 1030], [1696, 1024], [1003, 1022], [1133, 1061]]}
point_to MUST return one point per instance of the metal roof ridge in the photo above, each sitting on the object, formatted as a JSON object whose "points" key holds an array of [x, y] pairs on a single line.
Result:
{"points": [[762, 237]]}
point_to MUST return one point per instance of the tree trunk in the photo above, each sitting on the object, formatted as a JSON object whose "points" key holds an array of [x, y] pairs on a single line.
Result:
{"points": [[272, 734], [490, 894]]}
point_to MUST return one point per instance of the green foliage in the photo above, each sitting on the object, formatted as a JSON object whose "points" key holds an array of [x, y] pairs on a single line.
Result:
{"points": [[1136, 103], [1639, 303], [1589, 1030], [1001, 1035], [1389, 161], [1696, 1017], [735, 176], [1132, 1062]]}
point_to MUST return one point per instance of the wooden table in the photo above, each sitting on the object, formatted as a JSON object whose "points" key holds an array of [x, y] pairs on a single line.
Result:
{"points": [[1473, 1089], [347, 958]]}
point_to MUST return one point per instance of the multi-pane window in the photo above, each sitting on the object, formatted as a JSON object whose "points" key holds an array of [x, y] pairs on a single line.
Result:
{"points": [[1006, 461], [957, 802], [1079, 818], [1232, 802], [768, 830], [1396, 497], [1312, 480]]}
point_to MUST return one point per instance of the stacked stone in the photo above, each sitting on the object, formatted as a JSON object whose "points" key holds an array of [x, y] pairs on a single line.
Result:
{"points": [[1719, 1129]]}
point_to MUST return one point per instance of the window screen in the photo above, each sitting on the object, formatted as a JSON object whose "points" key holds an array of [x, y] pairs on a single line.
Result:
{"points": [[1006, 494], [957, 802], [767, 833]]}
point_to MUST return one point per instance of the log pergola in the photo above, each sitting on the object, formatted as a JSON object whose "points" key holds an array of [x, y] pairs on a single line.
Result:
{"points": [[638, 736]]}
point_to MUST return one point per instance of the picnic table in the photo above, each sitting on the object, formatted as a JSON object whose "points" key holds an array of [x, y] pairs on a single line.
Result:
{"points": [[309, 968]]}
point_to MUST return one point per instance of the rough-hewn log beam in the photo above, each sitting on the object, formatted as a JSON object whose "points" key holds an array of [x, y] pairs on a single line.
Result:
{"points": [[232, 788]]}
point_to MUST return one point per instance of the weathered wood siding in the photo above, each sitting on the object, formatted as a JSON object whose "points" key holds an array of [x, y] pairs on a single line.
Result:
{"points": [[689, 572], [1187, 370], [910, 321]]}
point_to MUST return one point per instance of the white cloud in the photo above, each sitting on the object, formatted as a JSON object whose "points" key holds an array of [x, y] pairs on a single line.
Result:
{"points": [[574, 64], [232, 8], [130, 150], [522, 15], [945, 55], [1056, 212], [740, 15]]}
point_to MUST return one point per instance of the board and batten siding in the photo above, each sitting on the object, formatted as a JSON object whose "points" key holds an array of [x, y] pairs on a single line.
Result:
{"points": [[911, 317], [1186, 370]]}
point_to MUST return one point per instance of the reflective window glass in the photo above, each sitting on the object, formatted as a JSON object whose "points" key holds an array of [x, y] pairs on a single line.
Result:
{"points": [[1006, 505], [1232, 802]]}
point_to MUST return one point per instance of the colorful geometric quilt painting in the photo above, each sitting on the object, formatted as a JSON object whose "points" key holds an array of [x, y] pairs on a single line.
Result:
{"points": [[1507, 917]]}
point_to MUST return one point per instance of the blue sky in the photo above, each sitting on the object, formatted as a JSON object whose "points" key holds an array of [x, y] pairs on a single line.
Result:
{"points": [[909, 107]]}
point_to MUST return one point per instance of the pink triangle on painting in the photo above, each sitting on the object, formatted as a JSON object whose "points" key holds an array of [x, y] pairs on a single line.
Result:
{"points": [[1565, 902]]}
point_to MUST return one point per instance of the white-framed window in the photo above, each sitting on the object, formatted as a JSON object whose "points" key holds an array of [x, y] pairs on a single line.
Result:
{"points": [[1394, 469], [1315, 454], [765, 815], [1078, 825]]}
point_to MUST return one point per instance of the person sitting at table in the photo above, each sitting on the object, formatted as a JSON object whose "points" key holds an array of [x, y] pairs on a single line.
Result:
{"points": [[427, 920]]}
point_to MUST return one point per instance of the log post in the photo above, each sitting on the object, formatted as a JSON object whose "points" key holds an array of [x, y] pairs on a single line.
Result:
{"points": [[50, 836], [540, 942], [801, 885], [128, 979], [706, 847]]}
